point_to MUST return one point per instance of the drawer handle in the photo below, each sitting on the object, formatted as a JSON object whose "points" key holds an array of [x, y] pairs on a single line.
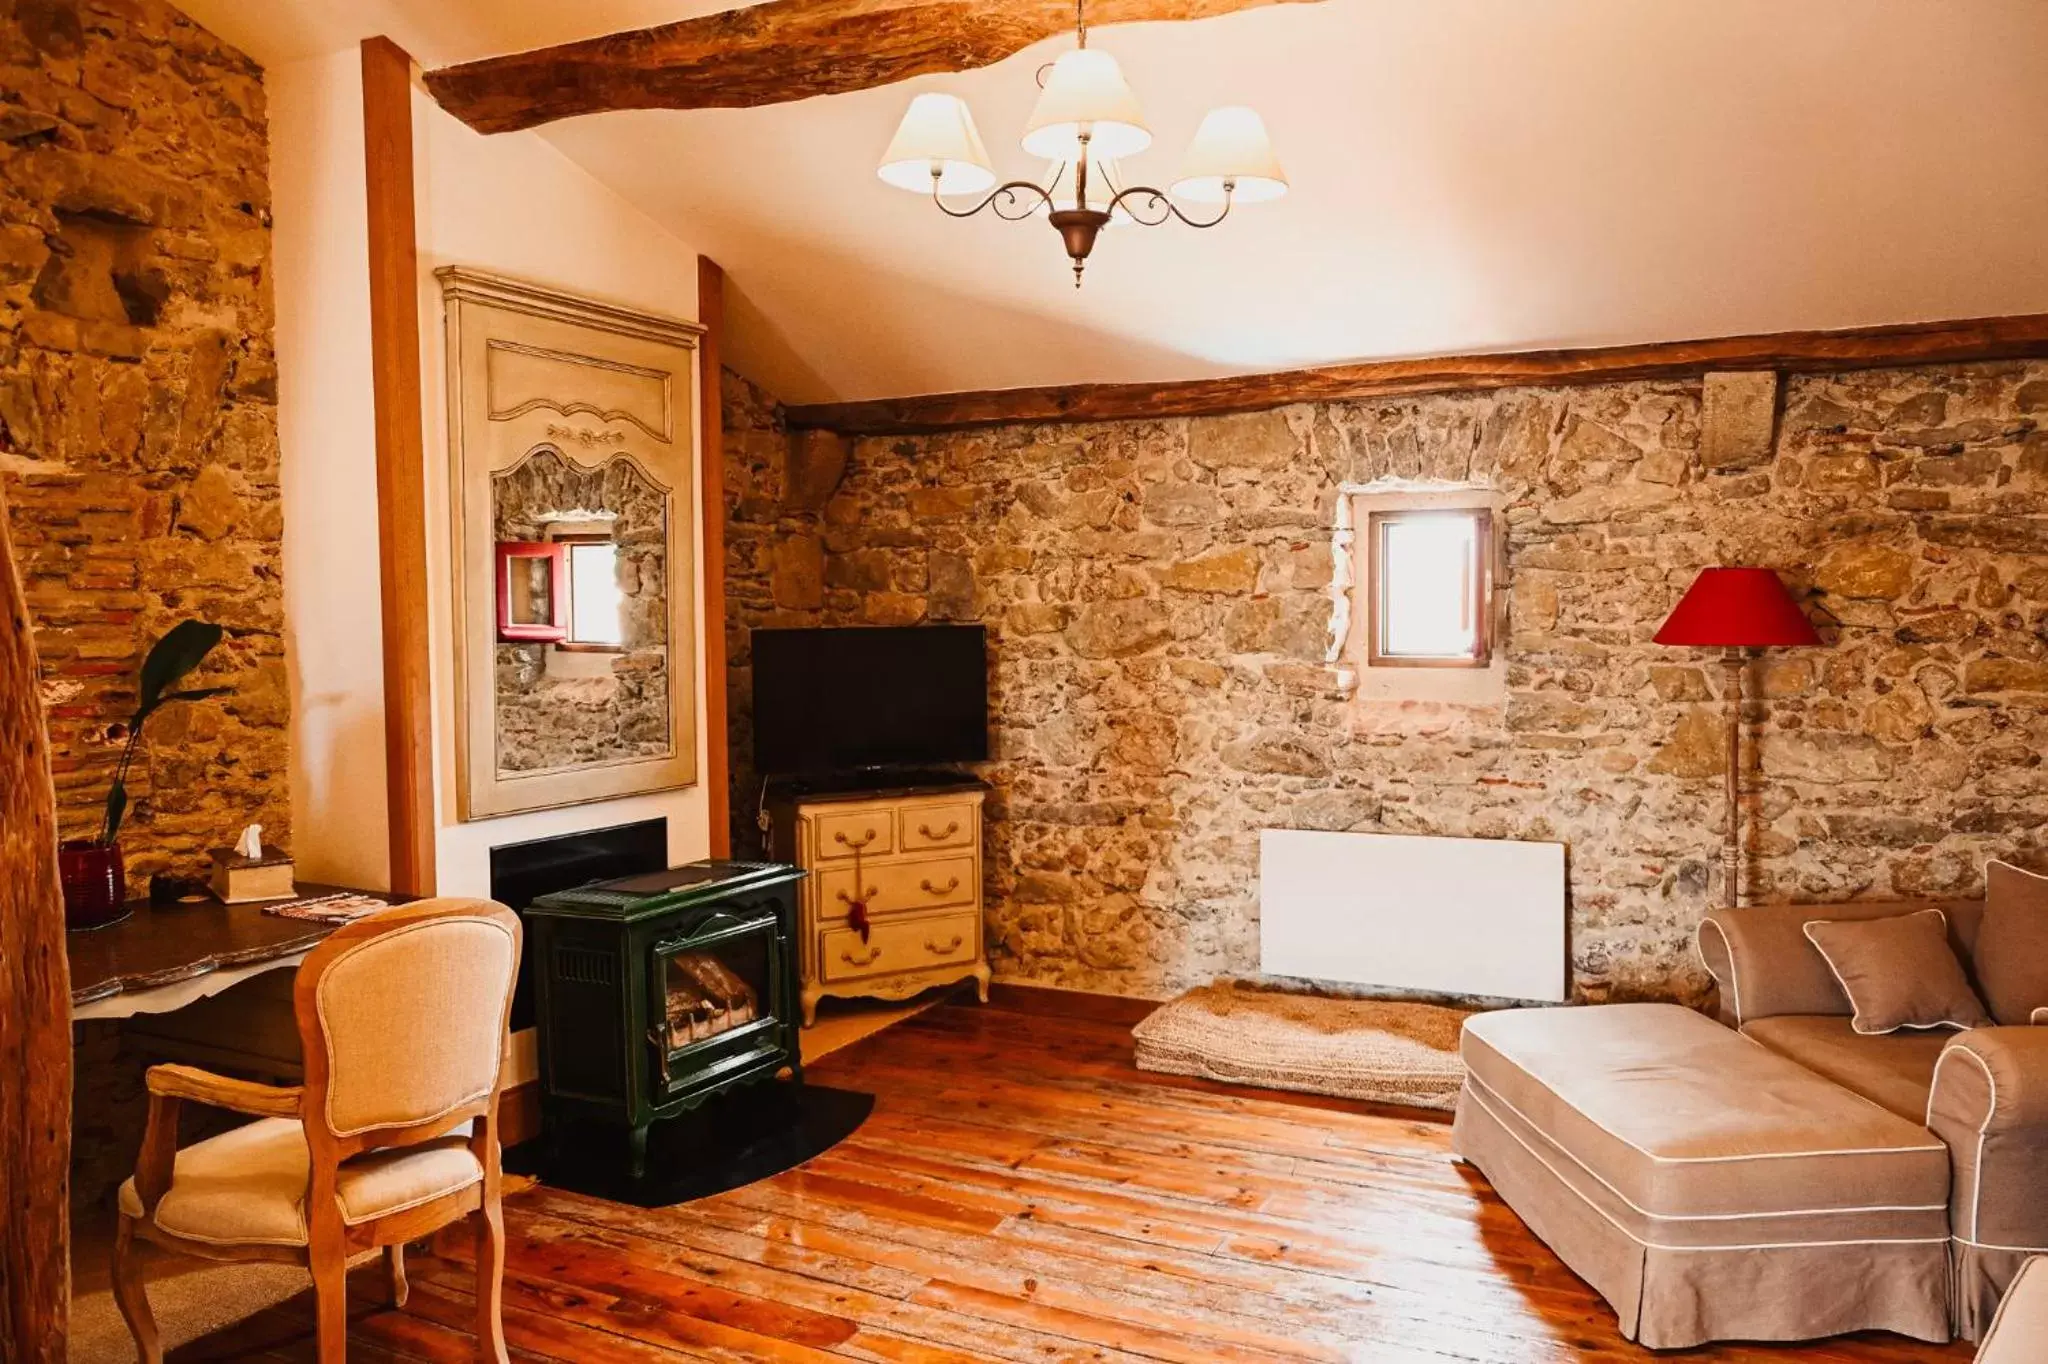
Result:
{"points": [[938, 951], [952, 827], [846, 955], [867, 837], [873, 891], [946, 889]]}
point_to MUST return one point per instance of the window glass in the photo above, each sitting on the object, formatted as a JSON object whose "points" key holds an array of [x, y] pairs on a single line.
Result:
{"points": [[594, 596], [1427, 563]]}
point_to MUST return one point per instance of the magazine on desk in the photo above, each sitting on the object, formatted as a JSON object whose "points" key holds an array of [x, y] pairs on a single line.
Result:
{"points": [[343, 907]]}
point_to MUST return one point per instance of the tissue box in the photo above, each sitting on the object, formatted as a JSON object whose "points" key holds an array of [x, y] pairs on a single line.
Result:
{"points": [[238, 879]]}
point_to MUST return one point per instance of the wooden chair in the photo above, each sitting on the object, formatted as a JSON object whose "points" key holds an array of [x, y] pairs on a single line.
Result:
{"points": [[393, 1135]]}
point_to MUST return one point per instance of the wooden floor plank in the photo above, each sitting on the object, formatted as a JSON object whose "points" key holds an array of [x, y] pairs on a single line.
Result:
{"points": [[1023, 1193]]}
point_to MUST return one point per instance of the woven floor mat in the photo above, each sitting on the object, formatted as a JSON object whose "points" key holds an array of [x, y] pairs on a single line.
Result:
{"points": [[1383, 1051]]}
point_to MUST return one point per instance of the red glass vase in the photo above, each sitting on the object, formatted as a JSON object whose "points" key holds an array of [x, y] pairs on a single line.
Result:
{"points": [[95, 884]]}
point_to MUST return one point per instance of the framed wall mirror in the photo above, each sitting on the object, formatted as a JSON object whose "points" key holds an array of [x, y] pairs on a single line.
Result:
{"points": [[571, 437]]}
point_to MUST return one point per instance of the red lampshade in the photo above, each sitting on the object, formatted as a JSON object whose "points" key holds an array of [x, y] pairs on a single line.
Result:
{"points": [[1737, 608]]}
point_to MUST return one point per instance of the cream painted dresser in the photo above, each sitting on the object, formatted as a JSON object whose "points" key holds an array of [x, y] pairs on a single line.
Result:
{"points": [[911, 858]]}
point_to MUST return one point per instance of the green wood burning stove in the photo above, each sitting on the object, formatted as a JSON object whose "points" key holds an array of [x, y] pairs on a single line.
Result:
{"points": [[658, 992]]}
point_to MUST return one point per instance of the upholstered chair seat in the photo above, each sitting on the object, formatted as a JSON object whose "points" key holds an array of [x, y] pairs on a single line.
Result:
{"points": [[248, 1186]]}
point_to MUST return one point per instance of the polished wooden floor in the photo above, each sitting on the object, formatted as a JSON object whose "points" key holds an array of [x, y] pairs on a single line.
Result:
{"points": [[1023, 1193]]}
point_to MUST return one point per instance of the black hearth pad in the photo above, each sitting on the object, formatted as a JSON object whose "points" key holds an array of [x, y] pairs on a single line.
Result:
{"points": [[732, 1141]]}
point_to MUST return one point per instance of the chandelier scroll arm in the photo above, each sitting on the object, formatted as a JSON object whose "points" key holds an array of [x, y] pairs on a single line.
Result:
{"points": [[1157, 199], [1002, 201]]}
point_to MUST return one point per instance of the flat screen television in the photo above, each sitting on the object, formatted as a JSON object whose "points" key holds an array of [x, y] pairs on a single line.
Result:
{"points": [[845, 700]]}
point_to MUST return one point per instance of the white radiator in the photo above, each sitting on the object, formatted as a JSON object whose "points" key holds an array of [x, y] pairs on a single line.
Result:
{"points": [[1453, 916]]}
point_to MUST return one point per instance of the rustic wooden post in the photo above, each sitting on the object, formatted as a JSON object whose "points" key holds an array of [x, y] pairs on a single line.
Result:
{"points": [[35, 1009], [717, 774], [401, 465]]}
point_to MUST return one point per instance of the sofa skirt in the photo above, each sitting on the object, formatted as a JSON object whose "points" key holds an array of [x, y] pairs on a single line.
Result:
{"points": [[1980, 1275], [1674, 1297]]}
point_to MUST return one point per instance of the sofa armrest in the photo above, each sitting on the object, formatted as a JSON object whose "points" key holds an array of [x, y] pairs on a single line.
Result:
{"points": [[1989, 1105], [1717, 953], [2019, 1333], [1766, 967]]}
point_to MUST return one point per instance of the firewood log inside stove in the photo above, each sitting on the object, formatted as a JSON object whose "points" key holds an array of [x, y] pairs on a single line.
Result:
{"points": [[719, 982], [705, 999]]}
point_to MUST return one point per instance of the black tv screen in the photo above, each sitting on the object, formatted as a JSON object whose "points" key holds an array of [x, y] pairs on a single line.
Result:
{"points": [[840, 700]]}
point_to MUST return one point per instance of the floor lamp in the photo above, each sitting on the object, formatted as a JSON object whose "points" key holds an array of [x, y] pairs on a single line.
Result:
{"points": [[1736, 609]]}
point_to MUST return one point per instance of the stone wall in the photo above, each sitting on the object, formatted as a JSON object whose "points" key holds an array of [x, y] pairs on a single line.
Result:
{"points": [[1157, 597], [138, 440], [138, 431]]}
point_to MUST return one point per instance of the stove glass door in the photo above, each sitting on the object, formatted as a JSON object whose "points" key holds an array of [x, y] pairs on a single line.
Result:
{"points": [[714, 1001]]}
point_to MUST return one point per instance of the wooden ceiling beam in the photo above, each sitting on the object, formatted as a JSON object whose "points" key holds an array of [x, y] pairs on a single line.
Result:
{"points": [[772, 54], [1918, 343]]}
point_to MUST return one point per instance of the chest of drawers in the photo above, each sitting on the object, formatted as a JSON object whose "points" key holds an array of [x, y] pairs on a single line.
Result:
{"points": [[909, 864]]}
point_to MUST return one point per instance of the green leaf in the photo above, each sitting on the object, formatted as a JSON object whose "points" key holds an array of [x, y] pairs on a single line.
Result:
{"points": [[117, 806], [197, 693], [193, 694], [183, 648]]}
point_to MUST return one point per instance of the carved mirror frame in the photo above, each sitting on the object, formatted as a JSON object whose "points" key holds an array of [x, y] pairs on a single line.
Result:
{"points": [[531, 368]]}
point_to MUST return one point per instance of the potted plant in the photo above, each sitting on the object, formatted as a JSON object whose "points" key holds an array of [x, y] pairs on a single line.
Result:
{"points": [[95, 883]]}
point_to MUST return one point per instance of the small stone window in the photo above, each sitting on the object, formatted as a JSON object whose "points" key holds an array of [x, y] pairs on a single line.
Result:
{"points": [[1417, 601], [1429, 587]]}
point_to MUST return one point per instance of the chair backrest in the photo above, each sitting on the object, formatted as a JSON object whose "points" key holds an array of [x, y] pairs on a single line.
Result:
{"points": [[403, 1020]]}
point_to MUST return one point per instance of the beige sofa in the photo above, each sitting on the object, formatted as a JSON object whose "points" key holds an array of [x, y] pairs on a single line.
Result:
{"points": [[2019, 1334], [1778, 1178], [1709, 1189], [1984, 1092]]}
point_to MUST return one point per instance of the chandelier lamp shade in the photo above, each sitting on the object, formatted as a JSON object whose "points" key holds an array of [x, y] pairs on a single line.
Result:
{"points": [[1737, 610], [937, 149], [1086, 96], [1087, 119]]}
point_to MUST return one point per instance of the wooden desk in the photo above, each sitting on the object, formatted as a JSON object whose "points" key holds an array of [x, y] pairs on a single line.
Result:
{"points": [[165, 956]]}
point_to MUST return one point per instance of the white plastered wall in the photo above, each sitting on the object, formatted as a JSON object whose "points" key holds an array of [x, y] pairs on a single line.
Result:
{"points": [[513, 205], [510, 204]]}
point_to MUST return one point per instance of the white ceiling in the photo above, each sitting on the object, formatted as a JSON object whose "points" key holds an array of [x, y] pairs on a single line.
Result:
{"points": [[1468, 175]]}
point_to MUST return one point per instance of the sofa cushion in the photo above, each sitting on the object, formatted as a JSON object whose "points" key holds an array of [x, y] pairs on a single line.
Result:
{"points": [[1765, 966], [2011, 955], [1893, 1070], [247, 1186], [1899, 972]]}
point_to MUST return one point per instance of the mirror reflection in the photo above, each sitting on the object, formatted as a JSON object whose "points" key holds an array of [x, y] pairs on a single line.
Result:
{"points": [[582, 673], [533, 598]]}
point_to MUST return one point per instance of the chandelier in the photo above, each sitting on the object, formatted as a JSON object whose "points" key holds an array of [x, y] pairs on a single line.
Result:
{"points": [[1086, 121]]}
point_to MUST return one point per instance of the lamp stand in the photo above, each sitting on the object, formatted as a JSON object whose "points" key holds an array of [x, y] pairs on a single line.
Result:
{"points": [[1731, 836], [1740, 611]]}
